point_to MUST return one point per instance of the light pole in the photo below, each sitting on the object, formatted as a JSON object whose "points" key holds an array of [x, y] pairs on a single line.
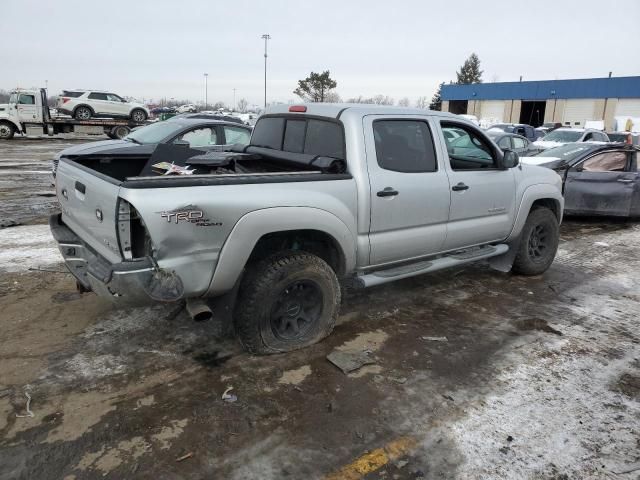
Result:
{"points": [[206, 91], [234, 99], [266, 37]]}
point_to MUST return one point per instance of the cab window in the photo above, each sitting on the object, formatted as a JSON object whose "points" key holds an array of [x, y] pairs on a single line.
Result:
{"points": [[26, 99], [404, 146], [468, 151], [235, 135]]}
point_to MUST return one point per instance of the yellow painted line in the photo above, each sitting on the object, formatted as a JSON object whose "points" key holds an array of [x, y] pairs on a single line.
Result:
{"points": [[374, 460]]}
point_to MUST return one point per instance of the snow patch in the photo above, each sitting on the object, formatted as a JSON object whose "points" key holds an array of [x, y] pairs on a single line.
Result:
{"points": [[25, 247]]}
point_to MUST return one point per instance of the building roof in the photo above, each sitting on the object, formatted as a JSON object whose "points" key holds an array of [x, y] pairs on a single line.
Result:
{"points": [[615, 87]]}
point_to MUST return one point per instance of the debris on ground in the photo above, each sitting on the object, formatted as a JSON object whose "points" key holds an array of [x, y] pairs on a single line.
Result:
{"points": [[601, 244], [350, 361], [184, 457], [436, 339], [229, 397], [8, 222], [29, 412]]}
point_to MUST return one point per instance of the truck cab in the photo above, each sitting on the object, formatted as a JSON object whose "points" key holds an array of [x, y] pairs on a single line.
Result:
{"points": [[25, 107]]}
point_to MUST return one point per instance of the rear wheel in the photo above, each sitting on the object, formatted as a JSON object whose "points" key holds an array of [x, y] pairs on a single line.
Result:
{"points": [[119, 132], [138, 115], [82, 113], [6, 131], [538, 243], [286, 302]]}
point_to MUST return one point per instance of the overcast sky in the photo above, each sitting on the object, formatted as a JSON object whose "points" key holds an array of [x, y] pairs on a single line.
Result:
{"points": [[160, 48]]}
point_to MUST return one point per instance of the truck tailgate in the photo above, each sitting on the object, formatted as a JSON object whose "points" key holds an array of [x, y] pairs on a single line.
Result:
{"points": [[89, 204]]}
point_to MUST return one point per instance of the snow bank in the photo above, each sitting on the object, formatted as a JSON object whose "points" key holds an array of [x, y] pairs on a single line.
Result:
{"points": [[25, 247]]}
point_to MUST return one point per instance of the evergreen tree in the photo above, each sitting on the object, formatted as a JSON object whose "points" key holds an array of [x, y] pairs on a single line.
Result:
{"points": [[315, 87], [436, 100], [470, 72]]}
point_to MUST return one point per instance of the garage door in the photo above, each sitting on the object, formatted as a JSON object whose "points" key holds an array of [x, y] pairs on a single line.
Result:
{"points": [[576, 112], [491, 111], [628, 107]]}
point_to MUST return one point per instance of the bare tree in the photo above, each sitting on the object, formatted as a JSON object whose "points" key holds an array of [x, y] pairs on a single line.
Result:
{"points": [[422, 102], [404, 102], [383, 100], [332, 97], [242, 105]]}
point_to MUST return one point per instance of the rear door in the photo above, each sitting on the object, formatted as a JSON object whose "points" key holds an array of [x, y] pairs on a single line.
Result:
{"points": [[409, 189], [88, 202], [602, 184], [98, 101], [482, 192]]}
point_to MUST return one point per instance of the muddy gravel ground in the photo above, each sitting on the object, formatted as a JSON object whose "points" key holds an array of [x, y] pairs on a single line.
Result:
{"points": [[472, 373]]}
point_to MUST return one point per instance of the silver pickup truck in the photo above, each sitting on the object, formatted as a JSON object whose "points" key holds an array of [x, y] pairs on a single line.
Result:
{"points": [[324, 193]]}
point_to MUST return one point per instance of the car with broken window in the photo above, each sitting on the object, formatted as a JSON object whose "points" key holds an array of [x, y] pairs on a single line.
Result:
{"points": [[323, 196], [598, 179], [197, 132]]}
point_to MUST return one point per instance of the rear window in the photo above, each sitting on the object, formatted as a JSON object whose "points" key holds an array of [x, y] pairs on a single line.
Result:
{"points": [[300, 135], [67, 93]]}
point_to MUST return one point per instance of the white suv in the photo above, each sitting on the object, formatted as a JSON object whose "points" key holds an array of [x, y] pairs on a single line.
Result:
{"points": [[84, 104]]}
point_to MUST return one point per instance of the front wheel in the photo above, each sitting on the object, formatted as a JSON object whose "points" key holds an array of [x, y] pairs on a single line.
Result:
{"points": [[6, 131], [138, 115], [538, 243], [286, 302]]}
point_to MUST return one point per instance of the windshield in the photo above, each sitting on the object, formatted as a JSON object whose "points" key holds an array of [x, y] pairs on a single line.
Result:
{"points": [[563, 136], [154, 133], [566, 153]]}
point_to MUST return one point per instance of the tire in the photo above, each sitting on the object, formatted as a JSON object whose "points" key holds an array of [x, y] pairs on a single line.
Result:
{"points": [[120, 132], [286, 302], [538, 243], [82, 113], [6, 131], [138, 115]]}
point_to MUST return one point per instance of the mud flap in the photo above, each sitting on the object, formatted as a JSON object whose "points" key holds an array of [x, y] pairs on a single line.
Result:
{"points": [[504, 262]]}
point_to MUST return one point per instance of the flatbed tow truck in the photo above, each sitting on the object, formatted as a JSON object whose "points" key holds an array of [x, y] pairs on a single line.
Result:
{"points": [[28, 113]]}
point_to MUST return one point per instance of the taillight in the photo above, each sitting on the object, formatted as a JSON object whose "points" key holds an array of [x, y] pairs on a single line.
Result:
{"points": [[65, 99], [133, 237]]}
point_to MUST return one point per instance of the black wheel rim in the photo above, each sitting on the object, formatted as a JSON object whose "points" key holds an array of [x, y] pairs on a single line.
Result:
{"points": [[539, 243], [296, 310]]}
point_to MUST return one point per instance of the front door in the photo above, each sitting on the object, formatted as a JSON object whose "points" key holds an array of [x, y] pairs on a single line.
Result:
{"points": [[27, 109], [409, 189], [602, 184], [482, 192]]}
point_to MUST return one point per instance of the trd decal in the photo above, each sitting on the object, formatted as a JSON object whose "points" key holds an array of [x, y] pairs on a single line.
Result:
{"points": [[189, 215]]}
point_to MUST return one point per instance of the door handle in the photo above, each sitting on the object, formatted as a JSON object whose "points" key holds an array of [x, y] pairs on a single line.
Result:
{"points": [[388, 192], [459, 187], [81, 187], [625, 180]]}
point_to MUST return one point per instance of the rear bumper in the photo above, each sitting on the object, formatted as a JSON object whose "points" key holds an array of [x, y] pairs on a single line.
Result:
{"points": [[136, 281]]}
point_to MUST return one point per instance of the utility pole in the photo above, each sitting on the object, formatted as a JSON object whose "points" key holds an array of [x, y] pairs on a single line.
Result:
{"points": [[206, 91], [234, 99], [266, 38]]}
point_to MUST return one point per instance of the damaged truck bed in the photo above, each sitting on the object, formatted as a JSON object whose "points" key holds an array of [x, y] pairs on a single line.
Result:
{"points": [[324, 193]]}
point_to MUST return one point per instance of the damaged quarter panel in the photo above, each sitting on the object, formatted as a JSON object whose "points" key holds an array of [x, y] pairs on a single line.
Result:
{"points": [[189, 238]]}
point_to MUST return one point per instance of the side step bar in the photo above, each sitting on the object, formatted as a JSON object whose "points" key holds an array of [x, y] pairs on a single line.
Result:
{"points": [[420, 267]]}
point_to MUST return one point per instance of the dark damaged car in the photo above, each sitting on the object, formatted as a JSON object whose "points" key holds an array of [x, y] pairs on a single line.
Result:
{"points": [[598, 179]]}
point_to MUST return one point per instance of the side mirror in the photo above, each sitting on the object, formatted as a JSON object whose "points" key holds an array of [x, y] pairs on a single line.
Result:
{"points": [[510, 159], [182, 143]]}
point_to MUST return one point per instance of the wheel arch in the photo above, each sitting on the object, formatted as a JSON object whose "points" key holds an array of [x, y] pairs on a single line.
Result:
{"points": [[262, 232], [542, 195], [73, 113], [8, 121]]}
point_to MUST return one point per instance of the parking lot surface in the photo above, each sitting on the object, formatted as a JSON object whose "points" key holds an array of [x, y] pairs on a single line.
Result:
{"points": [[470, 373]]}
